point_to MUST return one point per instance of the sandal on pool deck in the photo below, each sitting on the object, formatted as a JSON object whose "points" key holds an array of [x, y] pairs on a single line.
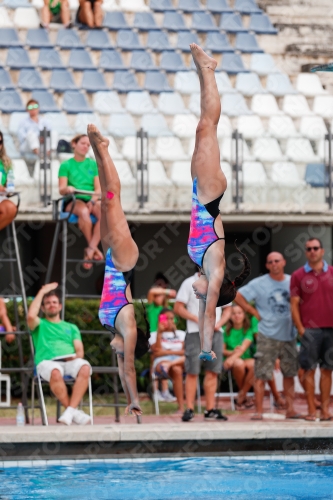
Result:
{"points": [[257, 416], [297, 416]]}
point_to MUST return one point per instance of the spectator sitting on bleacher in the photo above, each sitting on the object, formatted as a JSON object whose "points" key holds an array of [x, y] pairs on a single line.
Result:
{"points": [[158, 297], [167, 345], [59, 352], [55, 11], [7, 208], [5, 323], [237, 342], [30, 128], [90, 13], [77, 174]]}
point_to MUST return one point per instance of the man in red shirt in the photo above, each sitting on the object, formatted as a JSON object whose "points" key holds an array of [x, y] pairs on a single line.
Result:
{"points": [[311, 292]]}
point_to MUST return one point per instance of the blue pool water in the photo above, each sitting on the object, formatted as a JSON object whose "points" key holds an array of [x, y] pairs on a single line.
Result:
{"points": [[191, 478]]}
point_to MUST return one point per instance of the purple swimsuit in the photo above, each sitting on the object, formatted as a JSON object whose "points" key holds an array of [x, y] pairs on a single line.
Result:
{"points": [[202, 233], [114, 293]]}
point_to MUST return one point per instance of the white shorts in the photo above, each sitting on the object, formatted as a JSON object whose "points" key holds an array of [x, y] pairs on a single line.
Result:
{"points": [[71, 368]]}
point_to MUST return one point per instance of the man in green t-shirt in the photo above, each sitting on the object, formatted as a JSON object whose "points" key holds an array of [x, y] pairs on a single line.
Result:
{"points": [[58, 352]]}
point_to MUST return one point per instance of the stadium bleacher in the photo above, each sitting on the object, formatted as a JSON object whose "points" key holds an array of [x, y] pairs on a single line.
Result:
{"points": [[137, 72]]}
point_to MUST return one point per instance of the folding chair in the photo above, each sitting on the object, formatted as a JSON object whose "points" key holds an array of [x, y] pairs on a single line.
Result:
{"points": [[39, 381], [156, 377], [6, 380]]}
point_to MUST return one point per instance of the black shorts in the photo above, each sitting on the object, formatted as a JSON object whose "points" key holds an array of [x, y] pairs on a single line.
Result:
{"points": [[317, 347], [192, 351], [67, 202]]}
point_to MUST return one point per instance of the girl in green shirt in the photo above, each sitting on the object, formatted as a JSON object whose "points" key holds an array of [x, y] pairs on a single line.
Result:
{"points": [[237, 341], [80, 174], [7, 209]]}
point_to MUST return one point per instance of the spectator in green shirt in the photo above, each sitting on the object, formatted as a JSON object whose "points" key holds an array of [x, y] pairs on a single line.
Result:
{"points": [[59, 351], [157, 299], [237, 341], [7, 208], [81, 174]]}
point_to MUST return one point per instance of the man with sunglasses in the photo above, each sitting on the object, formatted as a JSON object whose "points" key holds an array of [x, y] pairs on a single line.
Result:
{"points": [[276, 337], [311, 290], [30, 128]]}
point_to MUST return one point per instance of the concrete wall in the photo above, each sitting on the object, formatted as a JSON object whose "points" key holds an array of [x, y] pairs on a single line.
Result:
{"points": [[163, 248]]}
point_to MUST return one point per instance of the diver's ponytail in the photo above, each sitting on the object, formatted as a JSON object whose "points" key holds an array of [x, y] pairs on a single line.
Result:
{"points": [[238, 281], [228, 289]]}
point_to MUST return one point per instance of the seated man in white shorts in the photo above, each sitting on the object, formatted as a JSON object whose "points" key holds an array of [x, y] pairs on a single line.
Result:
{"points": [[59, 352]]}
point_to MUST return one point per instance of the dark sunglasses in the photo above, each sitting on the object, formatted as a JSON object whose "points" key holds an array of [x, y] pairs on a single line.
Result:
{"points": [[1, 141], [273, 261], [308, 249]]}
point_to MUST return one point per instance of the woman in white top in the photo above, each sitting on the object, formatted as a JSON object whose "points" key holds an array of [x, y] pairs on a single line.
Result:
{"points": [[169, 354]]}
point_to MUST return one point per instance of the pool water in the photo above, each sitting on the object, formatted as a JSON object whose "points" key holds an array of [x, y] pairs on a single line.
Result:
{"points": [[189, 478]]}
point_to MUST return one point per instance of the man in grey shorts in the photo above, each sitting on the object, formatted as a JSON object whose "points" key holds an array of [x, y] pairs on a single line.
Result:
{"points": [[187, 307], [59, 352], [277, 337]]}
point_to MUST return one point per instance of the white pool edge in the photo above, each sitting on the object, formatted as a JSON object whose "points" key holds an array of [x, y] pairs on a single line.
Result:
{"points": [[66, 462]]}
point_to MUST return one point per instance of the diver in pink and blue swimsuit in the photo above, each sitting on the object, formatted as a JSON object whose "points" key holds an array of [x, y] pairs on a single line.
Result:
{"points": [[202, 232], [206, 243], [114, 294], [116, 309]]}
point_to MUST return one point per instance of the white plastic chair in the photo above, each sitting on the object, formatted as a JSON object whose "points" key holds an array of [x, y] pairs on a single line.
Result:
{"points": [[227, 153], [6, 379], [313, 127], [171, 103], [263, 64], [82, 120], [323, 106], [160, 186], [286, 174], [287, 186], [105, 103], [254, 174], [15, 120], [139, 103], [26, 17], [169, 149], [155, 124], [133, 6], [249, 84], [267, 149], [182, 181], [279, 84], [129, 148], [110, 5], [184, 125], [300, 150], [121, 125], [296, 106], [255, 183], [223, 83], [309, 85], [187, 82], [250, 126], [5, 21], [282, 127], [234, 105], [265, 105]]}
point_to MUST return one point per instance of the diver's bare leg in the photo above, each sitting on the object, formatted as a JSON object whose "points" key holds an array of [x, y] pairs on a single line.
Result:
{"points": [[206, 157], [115, 232]]}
